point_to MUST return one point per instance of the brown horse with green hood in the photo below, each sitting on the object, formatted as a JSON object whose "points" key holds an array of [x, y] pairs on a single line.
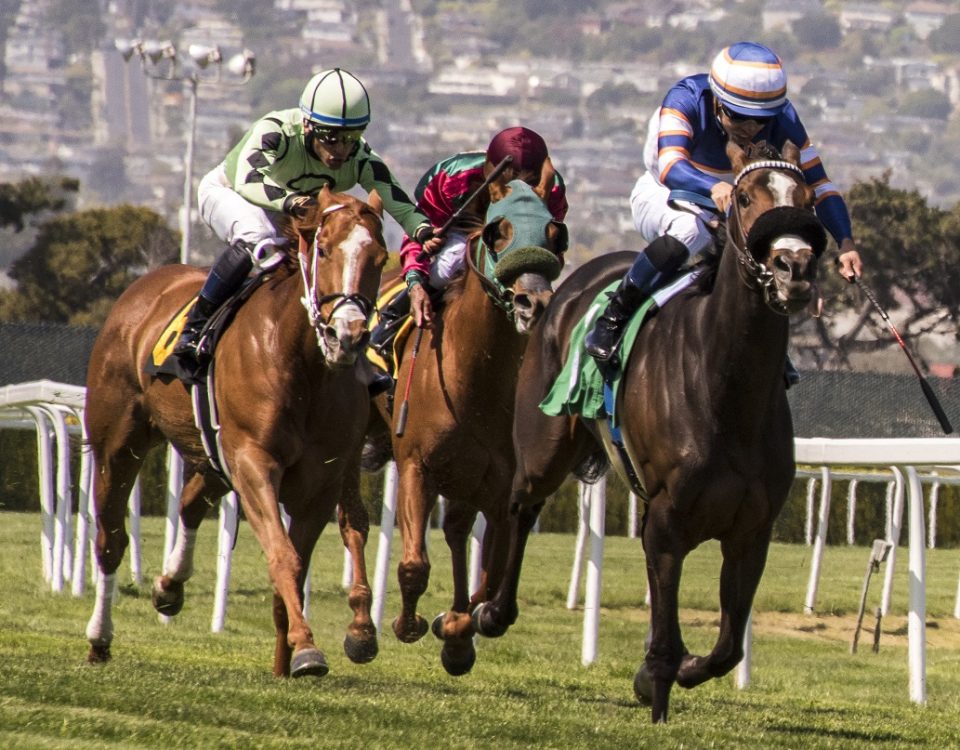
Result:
{"points": [[460, 391]]}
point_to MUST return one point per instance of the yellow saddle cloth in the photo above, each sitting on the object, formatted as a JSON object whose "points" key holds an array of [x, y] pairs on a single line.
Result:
{"points": [[168, 338], [389, 363]]}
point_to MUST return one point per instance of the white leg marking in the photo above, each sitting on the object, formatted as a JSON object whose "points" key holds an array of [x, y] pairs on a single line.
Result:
{"points": [[100, 626], [179, 565]]}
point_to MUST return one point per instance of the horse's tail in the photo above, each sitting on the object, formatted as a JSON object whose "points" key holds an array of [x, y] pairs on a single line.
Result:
{"points": [[593, 467]]}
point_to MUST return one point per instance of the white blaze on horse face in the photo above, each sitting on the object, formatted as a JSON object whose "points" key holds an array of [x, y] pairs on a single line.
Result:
{"points": [[352, 249], [791, 242], [782, 187]]}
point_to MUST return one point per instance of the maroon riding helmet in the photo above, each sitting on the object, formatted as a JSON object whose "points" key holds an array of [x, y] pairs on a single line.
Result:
{"points": [[527, 148]]}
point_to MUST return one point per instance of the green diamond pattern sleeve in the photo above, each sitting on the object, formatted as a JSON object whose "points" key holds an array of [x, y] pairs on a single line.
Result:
{"points": [[272, 161]]}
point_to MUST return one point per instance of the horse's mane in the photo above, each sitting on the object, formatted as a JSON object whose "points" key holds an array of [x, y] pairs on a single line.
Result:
{"points": [[290, 228], [761, 151]]}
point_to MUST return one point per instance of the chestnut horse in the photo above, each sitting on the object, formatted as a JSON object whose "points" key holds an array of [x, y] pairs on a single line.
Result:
{"points": [[292, 415], [457, 442], [702, 410]]}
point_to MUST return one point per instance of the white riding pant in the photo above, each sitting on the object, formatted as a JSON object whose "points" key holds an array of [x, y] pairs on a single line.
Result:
{"points": [[231, 216], [449, 262], [654, 217]]}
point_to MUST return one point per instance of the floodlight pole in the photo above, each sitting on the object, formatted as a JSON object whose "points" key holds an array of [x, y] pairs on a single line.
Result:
{"points": [[190, 84], [152, 54]]}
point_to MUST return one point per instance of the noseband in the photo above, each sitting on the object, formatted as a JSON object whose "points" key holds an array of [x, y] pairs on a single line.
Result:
{"points": [[753, 273], [308, 271]]}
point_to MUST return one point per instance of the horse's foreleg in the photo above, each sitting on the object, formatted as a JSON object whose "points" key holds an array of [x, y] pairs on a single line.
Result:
{"points": [[415, 501], [360, 642], [306, 659], [455, 628], [740, 574], [178, 567], [665, 555], [494, 617], [256, 477], [115, 472]]}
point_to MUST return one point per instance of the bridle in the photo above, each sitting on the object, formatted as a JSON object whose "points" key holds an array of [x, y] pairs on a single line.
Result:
{"points": [[308, 261], [487, 257], [752, 272]]}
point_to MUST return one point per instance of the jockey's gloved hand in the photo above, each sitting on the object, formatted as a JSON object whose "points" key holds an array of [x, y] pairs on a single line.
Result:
{"points": [[424, 233], [298, 205]]}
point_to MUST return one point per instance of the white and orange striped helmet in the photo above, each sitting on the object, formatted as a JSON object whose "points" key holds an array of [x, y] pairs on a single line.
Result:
{"points": [[749, 79]]}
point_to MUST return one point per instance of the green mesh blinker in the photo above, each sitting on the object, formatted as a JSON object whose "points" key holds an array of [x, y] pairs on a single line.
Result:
{"points": [[526, 252]]}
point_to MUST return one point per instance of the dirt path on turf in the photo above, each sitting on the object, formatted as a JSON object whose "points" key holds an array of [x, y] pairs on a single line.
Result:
{"points": [[940, 632]]}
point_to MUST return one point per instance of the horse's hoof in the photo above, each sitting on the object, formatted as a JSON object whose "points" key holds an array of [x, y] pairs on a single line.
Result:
{"points": [[417, 629], [458, 661], [436, 627], [168, 601], [643, 685], [98, 654], [485, 623], [360, 650], [308, 662]]}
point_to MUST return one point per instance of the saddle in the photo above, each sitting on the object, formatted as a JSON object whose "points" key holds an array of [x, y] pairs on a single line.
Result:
{"points": [[161, 363], [583, 387], [200, 380], [391, 324]]}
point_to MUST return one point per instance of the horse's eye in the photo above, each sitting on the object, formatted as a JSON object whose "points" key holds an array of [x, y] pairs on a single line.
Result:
{"points": [[743, 199]]}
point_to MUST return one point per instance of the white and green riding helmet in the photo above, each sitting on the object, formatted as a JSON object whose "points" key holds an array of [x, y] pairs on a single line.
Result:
{"points": [[335, 99]]}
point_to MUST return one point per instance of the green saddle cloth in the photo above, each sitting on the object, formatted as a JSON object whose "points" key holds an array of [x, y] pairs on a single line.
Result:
{"points": [[579, 387]]}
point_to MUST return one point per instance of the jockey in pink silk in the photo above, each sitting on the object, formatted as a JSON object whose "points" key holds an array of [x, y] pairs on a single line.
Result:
{"points": [[444, 189]]}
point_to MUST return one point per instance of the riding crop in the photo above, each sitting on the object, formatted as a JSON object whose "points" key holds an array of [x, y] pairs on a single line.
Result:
{"points": [[927, 390], [424, 255]]}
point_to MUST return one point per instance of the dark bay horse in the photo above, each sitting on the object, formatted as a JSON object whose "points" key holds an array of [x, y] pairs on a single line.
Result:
{"points": [[292, 415], [703, 413], [457, 442]]}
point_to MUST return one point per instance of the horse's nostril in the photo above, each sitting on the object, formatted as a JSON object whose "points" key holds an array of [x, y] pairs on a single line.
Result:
{"points": [[522, 302], [782, 263]]}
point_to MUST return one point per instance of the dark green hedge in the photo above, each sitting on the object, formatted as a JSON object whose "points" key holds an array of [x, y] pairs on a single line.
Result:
{"points": [[19, 491]]}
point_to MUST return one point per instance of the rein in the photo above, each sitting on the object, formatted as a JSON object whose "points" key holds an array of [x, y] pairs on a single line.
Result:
{"points": [[494, 290], [310, 300], [754, 274]]}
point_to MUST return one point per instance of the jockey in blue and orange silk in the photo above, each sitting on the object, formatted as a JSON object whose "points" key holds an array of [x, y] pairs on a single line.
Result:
{"points": [[742, 99]]}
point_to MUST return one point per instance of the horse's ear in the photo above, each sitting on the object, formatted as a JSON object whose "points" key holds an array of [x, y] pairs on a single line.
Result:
{"points": [[791, 153], [737, 156], [323, 197], [547, 175], [498, 191], [375, 202]]}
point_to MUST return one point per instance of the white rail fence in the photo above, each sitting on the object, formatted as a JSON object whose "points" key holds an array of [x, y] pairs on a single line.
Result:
{"points": [[55, 411]]}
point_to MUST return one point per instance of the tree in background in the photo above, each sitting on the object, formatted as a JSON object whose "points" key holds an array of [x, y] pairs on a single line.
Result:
{"points": [[912, 256], [928, 103], [818, 31], [946, 38], [32, 197], [82, 261]]}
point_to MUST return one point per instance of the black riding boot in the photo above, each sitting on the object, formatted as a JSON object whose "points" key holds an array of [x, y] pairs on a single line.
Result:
{"points": [[389, 321], [225, 278], [659, 260]]}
